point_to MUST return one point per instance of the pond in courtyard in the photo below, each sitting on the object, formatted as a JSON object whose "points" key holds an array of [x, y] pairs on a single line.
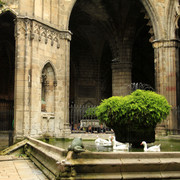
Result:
{"points": [[166, 145]]}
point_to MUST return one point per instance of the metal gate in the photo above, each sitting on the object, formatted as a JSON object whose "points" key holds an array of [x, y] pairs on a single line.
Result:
{"points": [[6, 115], [6, 122], [82, 119]]}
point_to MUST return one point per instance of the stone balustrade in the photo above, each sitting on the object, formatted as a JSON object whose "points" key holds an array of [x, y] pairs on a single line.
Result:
{"points": [[57, 163]]}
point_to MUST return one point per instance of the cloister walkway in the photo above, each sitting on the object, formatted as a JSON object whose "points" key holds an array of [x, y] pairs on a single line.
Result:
{"points": [[19, 168]]}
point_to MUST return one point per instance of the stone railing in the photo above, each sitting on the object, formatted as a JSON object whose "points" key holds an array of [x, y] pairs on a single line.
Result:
{"points": [[57, 163]]}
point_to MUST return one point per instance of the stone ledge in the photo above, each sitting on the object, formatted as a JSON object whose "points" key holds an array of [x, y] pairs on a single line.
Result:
{"points": [[14, 148], [45, 156], [48, 116], [57, 163]]}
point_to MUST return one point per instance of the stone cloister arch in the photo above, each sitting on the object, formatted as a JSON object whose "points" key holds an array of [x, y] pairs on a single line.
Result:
{"points": [[154, 18], [103, 22], [159, 20], [166, 60], [7, 70]]}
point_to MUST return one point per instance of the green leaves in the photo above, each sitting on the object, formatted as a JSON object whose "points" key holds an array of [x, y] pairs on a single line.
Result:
{"points": [[90, 112], [145, 108]]}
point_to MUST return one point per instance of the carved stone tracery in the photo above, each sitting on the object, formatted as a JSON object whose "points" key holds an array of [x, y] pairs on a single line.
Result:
{"points": [[25, 27]]}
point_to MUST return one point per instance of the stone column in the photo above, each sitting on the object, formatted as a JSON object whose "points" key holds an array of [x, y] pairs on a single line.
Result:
{"points": [[21, 105], [121, 78], [165, 73], [67, 38]]}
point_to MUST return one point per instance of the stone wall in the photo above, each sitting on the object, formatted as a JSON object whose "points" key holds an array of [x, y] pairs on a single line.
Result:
{"points": [[38, 45], [41, 38]]}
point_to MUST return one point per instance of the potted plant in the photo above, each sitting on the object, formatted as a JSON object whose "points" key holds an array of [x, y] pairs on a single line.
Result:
{"points": [[134, 117]]}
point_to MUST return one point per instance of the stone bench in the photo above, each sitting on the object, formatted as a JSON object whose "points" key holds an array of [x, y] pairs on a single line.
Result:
{"points": [[84, 123]]}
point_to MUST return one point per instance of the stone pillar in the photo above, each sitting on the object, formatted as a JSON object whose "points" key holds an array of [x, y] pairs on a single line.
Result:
{"points": [[121, 78], [21, 100], [165, 73], [50, 45], [22, 62], [67, 130]]}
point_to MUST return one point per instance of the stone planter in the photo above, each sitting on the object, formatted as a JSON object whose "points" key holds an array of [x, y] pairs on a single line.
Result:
{"points": [[134, 134]]}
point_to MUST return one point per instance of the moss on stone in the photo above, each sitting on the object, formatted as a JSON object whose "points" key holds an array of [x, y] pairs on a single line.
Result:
{"points": [[15, 149]]}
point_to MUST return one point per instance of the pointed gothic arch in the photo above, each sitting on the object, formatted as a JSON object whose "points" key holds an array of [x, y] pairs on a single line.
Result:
{"points": [[172, 20], [109, 26], [7, 69], [153, 15], [48, 84]]}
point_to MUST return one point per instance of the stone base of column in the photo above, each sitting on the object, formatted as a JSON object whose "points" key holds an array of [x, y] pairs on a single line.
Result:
{"points": [[66, 131], [17, 137], [161, 130]]}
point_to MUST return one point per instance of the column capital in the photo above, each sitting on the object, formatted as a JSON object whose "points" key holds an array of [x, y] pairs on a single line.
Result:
{"points": [[165, 43]]}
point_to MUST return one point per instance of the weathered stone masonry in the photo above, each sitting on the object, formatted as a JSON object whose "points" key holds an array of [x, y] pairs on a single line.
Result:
{"points": [[166, 83], [38, 44]]}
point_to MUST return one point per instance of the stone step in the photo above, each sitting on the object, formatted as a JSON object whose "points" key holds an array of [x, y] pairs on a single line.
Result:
{"points": [[125, 165], [129, 175]]}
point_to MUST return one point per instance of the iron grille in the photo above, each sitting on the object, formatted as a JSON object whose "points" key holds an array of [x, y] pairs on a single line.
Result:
{"points": [[6, 115]]}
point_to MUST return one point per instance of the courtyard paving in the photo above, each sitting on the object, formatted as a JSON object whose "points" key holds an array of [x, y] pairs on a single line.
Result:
{"points": [[19, 168]]}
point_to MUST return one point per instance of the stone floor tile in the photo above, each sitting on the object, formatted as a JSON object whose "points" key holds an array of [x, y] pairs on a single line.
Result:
{"points": [[13, 168]]}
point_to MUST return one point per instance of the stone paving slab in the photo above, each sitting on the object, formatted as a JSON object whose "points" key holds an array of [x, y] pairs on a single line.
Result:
{"points": [[19, 168]]}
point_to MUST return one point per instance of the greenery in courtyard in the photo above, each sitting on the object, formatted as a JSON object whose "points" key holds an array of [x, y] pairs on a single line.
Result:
{"points": [[90, 112], [145, 108]]}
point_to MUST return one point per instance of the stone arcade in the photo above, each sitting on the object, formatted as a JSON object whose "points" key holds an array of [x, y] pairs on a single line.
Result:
{"points": [[57, 52]]}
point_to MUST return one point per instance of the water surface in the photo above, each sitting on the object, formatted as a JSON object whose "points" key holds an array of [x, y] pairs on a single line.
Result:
{"points": [[166, 145]]}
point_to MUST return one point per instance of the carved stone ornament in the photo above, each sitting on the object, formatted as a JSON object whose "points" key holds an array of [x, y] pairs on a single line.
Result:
{"points": [[49, 34], [23, 27], [33, 28]]}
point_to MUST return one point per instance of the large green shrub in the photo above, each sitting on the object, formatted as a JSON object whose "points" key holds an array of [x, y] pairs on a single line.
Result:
{"points": [[140, 108]]}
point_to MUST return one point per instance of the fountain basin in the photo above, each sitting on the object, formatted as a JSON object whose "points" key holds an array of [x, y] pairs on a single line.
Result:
{"points": [[57, 163]]}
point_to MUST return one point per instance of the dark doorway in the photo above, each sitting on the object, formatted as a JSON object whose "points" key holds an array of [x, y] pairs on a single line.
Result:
{"points": [[91, 55], [7, 68], [103, 31]]}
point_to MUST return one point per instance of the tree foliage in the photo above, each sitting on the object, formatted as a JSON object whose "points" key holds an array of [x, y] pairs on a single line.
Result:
{"points": [[143, 108]]}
